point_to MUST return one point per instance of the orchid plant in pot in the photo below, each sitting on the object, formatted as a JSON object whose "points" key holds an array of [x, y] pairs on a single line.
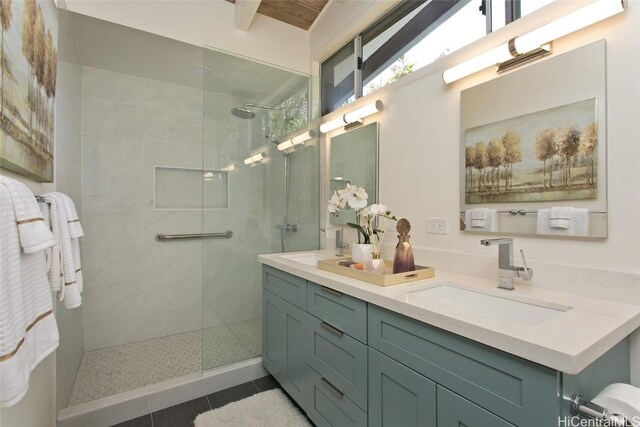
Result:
{"points": [[370, 236]]}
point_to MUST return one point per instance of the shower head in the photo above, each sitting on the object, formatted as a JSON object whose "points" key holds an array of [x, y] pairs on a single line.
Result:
{"points": [[244, 113]]}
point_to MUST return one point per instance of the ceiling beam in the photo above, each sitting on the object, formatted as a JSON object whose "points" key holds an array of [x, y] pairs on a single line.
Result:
{"points": [[245, 11]]}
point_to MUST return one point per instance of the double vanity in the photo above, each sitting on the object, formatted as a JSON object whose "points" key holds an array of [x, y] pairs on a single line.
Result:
{"points": [[449, 351]]}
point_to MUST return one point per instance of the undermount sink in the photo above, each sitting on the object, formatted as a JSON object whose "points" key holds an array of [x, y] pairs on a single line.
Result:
{"points": [[486, 305], [306, 259]]}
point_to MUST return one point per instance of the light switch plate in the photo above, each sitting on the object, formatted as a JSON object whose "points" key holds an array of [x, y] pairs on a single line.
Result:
{"points": [[437, 226]]}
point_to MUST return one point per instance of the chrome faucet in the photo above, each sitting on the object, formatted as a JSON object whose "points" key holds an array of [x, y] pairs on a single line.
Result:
{"points": [[340, 245], [505, 263]]}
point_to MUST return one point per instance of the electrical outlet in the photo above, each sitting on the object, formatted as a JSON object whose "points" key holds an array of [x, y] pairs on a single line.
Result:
{"points": [[437, 226]]}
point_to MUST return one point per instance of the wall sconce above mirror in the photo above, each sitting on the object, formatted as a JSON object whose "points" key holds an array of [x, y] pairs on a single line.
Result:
{"points": [[351, 117], [536, 43], [533, 149], [353, 159]]}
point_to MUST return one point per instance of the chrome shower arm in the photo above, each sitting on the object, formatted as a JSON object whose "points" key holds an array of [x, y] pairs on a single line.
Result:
{"points": [[266, 107]]}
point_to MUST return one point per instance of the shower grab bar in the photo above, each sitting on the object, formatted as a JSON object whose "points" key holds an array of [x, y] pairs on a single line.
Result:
{"points": [[162, 237]]}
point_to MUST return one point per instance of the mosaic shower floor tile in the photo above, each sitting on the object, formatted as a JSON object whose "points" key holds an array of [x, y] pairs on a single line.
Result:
{"points": [[117, 369]]}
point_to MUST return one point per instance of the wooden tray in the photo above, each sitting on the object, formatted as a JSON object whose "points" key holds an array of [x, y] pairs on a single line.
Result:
{"points": [[386, 279]]}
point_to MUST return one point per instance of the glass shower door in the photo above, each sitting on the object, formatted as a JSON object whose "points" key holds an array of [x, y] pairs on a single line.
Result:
{"points": [[248, 107]]}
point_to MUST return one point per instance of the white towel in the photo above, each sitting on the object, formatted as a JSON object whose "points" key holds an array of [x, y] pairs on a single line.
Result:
{"points": [[490, 222], [75, 228], [560, 217], [28, 330], [578, 224], [75, 232], [62, 275], [34, 233], [478, 217]]}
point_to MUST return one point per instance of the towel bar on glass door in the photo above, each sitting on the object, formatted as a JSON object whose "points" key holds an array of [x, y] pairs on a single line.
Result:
{"points": [[162, 237]]}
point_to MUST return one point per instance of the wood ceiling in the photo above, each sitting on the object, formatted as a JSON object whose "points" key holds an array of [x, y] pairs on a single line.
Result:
{"points": [[299, 13]]}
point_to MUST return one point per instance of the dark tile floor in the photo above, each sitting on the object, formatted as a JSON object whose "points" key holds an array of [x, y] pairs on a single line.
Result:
{"points": [[182, 415]]}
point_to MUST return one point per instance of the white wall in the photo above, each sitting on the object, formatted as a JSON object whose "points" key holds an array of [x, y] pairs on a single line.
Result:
{"points": [[419, 168], [206, 23]]}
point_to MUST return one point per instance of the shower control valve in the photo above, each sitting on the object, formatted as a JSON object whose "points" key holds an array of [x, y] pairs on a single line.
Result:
{"points": [[287, 227]]}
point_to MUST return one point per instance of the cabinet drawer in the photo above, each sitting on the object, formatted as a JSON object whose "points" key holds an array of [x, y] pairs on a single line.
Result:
{"points": [[327, 406], [399, 396], [287, 286], [340, 359], [455, 411], [341, 311], [517, 390]]}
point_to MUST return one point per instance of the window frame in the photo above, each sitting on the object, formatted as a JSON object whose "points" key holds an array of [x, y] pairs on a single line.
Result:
{"points": [[436, 12]]}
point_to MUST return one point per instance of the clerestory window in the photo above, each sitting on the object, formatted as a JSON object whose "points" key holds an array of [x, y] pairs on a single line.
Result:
{"points": [[410, 36]]}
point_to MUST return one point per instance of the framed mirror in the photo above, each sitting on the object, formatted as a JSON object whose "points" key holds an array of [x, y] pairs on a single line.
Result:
{"points": [[353, 159], [533, 149]]}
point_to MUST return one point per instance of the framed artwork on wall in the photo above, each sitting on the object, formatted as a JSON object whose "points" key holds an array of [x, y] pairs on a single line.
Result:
{"points": [[542, 156], [29, 71]]}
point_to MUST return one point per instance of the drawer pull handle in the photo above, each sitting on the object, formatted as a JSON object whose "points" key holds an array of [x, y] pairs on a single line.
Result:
{"points": [[332, 388], [331, 329], [331, 291], [408, 276]]}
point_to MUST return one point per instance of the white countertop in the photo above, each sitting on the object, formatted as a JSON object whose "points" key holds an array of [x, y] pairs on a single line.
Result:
{"points": [[567, 342]]}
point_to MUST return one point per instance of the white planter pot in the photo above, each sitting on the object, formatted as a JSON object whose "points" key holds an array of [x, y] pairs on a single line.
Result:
{"points": [[360, 253]]}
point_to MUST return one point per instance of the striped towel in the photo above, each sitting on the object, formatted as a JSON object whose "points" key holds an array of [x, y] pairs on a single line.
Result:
{"points": [[28, 330], [34, 233]]}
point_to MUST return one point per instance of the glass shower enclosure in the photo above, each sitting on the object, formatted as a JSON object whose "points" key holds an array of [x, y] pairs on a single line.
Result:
{"points": [[250, 189], [162, 153]]}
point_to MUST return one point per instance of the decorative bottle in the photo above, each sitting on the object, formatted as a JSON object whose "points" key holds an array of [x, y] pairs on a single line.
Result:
{"points": [[403, 259]]}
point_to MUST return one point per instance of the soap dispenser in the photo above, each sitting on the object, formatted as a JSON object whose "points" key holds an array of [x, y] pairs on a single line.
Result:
{"points": [[403, 259]]}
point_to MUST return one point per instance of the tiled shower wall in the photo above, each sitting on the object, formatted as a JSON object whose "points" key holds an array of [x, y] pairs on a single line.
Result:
{"points": [[135, 287]]}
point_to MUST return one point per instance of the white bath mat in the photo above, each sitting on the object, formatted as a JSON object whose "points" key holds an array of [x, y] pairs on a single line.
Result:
{"points": [[267, 409]]}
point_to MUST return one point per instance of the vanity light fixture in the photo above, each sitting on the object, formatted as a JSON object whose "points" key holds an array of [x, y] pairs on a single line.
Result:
{"points": [[212, 176], [255, 159], [535, 43], [296, 140], [352, 116], [230, 167]]}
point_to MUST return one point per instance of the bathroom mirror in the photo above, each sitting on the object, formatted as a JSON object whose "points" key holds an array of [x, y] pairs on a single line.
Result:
{"points": [[533, 149], [353, 159]]}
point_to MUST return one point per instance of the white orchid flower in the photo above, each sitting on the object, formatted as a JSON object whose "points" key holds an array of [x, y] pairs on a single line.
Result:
{"points": [[356, 202], [361, 193], [357, 197], [335, 203], [379, 209]]}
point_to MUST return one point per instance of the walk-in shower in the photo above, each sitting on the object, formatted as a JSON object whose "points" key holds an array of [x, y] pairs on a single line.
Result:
{"points": [[245, 113], [162, 155]]}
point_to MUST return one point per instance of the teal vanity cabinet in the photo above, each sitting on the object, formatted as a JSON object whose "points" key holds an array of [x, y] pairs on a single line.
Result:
{"points": [[284, 331], [314, 344], [350, 363]]}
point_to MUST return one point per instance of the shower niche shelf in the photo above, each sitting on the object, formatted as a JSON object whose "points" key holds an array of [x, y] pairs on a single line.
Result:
{"points": [[178, 188]]}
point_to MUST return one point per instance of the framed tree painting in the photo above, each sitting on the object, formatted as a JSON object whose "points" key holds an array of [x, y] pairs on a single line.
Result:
{"points": [[542, 156], [29, 70]]}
